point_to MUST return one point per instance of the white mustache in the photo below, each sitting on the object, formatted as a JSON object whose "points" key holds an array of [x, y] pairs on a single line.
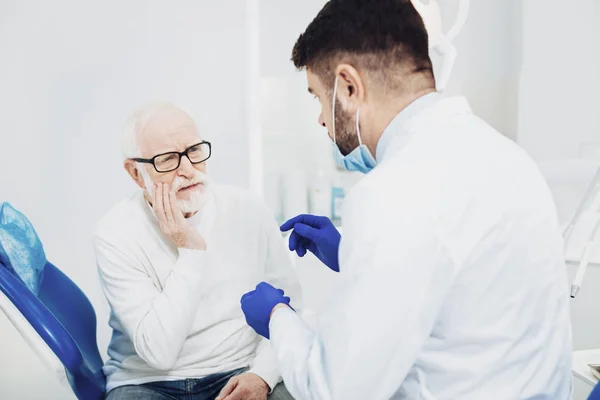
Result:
{"points": [[180, 183]]}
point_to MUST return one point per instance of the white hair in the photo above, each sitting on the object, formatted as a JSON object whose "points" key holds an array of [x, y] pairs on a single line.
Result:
{"points": [[137, 123], [130, 149]]}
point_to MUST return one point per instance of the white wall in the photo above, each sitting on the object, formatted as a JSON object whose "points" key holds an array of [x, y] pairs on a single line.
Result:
{"points": [[70, 74], [281, 22], [559, 109], [560, 80], [291, 138], [559, 120], [489, 59]]}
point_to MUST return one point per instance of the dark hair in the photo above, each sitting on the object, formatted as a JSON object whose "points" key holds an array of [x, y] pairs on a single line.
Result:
{"points": [[374, 34]]}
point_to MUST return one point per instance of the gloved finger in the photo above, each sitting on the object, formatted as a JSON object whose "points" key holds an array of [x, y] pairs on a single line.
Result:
{"points": [[301, 251], [293, 243], [264, 286], [280, 291], [289, 224], [246, 296], [307, 232], [286, 300], [312, 247], [304, 251], [301, 247], [304, 242], [308, 219]]}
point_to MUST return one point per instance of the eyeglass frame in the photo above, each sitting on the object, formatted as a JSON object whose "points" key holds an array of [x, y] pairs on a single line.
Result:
{"points": [[179, 154]]}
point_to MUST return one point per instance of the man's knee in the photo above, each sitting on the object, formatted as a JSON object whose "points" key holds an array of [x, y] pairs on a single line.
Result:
{"points": [[280, 393]]}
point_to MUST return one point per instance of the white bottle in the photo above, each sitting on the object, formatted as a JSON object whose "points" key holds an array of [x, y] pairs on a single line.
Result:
{"points": [[320, 195], [337, 199]]}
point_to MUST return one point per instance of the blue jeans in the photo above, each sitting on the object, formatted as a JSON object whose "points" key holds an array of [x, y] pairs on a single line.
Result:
{"points": [[206, 388]]}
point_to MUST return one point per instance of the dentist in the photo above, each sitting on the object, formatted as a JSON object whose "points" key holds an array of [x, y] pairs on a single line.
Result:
{"points": [[453, 279]]}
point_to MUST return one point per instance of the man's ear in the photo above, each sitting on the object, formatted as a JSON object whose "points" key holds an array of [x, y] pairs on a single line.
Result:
{"points": [[132, 169], [351, 88]]}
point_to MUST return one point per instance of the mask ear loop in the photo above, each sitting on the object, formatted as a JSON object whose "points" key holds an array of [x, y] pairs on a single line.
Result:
{"points": [[333, 115], [333, 108], [358, 127]]}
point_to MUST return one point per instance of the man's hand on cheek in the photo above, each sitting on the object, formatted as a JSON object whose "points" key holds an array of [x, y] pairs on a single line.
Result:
{"points": [[246, 386], [171, 220]]}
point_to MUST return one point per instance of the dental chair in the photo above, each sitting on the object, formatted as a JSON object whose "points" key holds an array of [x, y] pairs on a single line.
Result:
{"points": [[595, 395], [59, 324]]}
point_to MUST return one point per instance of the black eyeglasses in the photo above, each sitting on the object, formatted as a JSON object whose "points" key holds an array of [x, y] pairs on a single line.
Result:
{"points": [[167, 162]]}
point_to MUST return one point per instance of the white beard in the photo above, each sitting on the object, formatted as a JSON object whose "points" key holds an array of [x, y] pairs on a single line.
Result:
{"points": [[197, 197]]}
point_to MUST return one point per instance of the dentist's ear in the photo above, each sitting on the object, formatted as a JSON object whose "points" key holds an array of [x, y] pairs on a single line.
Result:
{"points": [[351, 89]]}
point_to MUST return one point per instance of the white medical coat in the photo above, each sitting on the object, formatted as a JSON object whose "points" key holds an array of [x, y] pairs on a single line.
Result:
{"points": [[454, 284]]}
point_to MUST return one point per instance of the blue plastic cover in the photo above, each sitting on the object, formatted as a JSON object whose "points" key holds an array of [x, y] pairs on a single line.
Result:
{"points": [[21, 250]]}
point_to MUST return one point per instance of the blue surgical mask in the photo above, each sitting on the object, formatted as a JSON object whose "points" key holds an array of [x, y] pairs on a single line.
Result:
{"points": [[360, 159]]}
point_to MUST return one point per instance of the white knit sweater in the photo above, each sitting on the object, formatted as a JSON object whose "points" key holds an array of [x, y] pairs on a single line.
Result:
{"points": [[175, 313]]}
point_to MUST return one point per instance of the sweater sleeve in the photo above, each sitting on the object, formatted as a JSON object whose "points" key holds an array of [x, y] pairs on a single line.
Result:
{"points": [[156, 320]]}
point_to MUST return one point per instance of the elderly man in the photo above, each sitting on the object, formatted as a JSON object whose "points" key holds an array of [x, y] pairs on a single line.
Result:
{"points": [[174, 260]]}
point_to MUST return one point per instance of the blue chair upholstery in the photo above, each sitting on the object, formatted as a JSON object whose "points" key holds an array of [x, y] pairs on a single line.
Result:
{"points": [[595, 395], [65, 320]]}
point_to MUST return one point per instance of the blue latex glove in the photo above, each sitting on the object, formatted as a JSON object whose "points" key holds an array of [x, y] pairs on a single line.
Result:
{"points": [[258, 304], [317, 235]]}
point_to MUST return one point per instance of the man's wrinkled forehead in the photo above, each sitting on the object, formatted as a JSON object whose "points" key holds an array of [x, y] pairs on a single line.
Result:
{"points": [[168, 130]]}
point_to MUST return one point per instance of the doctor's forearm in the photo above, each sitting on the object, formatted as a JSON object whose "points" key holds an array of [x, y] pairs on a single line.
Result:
{"points": [[299, 355]]}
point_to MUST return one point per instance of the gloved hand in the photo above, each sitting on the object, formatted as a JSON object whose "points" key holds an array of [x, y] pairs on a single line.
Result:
{"points": [[258, 304], [317, 235]]}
